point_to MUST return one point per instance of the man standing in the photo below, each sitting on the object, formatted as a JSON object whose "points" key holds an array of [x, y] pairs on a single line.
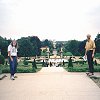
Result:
{"points": [[90, 50]]}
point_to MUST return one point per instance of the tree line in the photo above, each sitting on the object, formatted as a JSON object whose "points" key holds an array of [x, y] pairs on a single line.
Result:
{"points": [[31, 46]]}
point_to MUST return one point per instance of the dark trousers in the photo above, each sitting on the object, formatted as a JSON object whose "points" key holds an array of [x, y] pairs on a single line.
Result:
{"points": [[13, 65], [90, 61]]}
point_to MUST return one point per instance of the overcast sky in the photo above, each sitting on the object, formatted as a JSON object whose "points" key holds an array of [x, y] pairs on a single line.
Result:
{"points": [[51, 19]]}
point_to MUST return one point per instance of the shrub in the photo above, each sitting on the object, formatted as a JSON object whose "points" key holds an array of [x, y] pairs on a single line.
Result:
{"points": [[43, 64], [67, 54], [2, 59], [70, 64], [24, 70], [19, 70], [33, 69], [25, 62], [82, 69], [63, 63], [96, 68], [97, 55], [81, 62], [95, 62], [34, 64], [50, 64], [1, 68], [6, 70], [77, 69]]}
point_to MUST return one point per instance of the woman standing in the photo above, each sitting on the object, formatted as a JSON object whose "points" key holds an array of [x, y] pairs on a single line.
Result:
{"points": [[12, 53]]}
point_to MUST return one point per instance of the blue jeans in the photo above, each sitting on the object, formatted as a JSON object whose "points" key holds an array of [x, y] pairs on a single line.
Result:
{"points": [[13, 65]]}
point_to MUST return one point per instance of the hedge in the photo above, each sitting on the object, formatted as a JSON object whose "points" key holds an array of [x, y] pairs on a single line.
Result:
{"points": [[81, 69], [2, 59], [19, 70]]}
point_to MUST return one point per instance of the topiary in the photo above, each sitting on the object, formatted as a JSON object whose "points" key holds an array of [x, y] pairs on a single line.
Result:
{"points": [[43, 64], [63, 63], [25, 62], [70, 64], [34, 64], [2, 59], [95, 62]]}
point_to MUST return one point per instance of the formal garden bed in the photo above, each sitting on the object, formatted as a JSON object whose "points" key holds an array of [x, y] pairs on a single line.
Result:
{"points": [[80, 66], [23, 67]]}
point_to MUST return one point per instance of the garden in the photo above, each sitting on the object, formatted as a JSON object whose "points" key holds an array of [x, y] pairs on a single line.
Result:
{"points": [[24, 66]]}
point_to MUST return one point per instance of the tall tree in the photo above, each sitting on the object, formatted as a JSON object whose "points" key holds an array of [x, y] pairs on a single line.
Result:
{"points": [[36, 43], [82, 47], [97, 42], [25, 47], [47, 43], [59, 45], [3, 46], [72, 46]]}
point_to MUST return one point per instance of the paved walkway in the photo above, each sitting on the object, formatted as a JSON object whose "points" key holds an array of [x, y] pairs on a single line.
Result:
{"points": [[51, 83]]}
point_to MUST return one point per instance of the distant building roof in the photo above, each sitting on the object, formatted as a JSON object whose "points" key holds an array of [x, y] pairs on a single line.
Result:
{"points": [[43, 48]]}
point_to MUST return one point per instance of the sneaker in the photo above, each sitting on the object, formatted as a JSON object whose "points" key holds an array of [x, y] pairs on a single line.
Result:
{"points": [[12, 78], [87, 73], [91, 74]]}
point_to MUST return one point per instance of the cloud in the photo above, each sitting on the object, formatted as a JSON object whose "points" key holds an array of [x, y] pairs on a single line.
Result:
{"points": [[53, 19], [94, 16]]}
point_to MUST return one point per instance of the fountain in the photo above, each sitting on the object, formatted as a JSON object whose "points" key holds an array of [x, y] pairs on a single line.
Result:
{"points": [[55, 60]]}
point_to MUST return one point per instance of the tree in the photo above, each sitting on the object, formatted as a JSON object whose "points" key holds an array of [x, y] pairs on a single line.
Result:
{"points": [[3, 46], [63, 63], [43, 63], [2, 59], [82, 47], [58, 46], [25, 47], [47, 43], [72, 46], [95, 62], [70, 63], [44, 53], [97, 42], [36, 43], [68, 54], [34, 64], [25, 62]]}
